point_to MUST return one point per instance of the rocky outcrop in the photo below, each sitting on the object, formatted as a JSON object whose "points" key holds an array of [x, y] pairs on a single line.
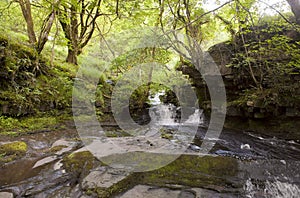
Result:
{"points": [[277, 90], [144, 191]]}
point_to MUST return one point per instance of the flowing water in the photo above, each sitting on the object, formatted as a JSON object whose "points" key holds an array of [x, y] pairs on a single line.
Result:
{"points": [[269, 167], [265, 166]]}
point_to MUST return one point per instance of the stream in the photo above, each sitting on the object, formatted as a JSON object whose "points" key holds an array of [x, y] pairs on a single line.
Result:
{"points": [[241, 164]]}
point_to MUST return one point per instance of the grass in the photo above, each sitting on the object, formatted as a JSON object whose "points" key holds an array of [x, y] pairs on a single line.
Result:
{"points": [[16, 126], [11, 151]]}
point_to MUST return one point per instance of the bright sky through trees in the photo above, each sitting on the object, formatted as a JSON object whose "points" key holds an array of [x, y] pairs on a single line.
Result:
{"points": [[264, 6]]}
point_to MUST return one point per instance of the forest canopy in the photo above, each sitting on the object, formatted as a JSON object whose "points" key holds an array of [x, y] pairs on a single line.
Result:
{"points": [[69, 26], [261, 39]]}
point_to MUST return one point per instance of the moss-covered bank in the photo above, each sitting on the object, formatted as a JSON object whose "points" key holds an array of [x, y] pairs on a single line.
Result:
{"points": [[28, 83], [12, 151]]}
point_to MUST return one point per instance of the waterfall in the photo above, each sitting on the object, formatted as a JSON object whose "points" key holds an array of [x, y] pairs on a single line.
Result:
{"points": [[156, 100], [197, 117], [163, 114], [168, 114]]}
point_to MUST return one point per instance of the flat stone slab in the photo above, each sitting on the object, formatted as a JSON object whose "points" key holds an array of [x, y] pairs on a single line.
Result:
{"points": [[6, 195], [66, 146], [44, 161], [120, 145], [142, 191], [136, 154], [104, 177]]}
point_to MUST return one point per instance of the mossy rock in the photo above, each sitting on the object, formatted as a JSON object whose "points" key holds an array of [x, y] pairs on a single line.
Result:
{"points": [[80, 162], [129, 182], [214, 172], [57, 148], [194, 171], [12, 151], [166, 133], [167, 136], [113, 134], [13, 148]]}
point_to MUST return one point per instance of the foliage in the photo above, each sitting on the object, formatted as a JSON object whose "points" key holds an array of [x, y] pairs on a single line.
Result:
{"points": [[264, 52], [28, 84], [271, 57], [44, 121]]}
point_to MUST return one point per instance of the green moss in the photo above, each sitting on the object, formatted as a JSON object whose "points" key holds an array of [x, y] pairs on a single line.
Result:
{"points": [[194, 171], [79, 162], [118, 188], [12, 151], [116, 134], [28, 84], [166, 133], [17, 126], [187, 170], [57, 148], [14, 148], [167, 136]]}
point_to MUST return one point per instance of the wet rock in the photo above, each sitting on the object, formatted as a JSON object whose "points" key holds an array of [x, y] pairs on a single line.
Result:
{"points": [[104, 177], [62, 146], [37, 145], [141, 191], [6, 195], [207, 172], [58, 165], [112, 146], [211, 194], [194, 147], [79, 162], [45, 161], [58, 148], [63, 192], [45, 185], [144, 191], [106, 181]]}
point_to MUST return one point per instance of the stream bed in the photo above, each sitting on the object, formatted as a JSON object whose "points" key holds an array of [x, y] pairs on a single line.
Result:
{"points": [[241, 164]]}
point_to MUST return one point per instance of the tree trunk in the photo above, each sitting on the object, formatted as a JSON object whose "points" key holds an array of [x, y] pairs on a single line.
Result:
{"points": [[295, 6], [71, 33], [72, 56], [26, 11], [78, 16], [43, 38]]}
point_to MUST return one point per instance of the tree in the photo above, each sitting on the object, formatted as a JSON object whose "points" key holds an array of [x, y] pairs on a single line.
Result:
{"points": [[295, 6], [190, 18], [79, 21], [38, 43]]}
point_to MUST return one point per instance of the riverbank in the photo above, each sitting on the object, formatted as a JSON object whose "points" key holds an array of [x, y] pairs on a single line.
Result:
{"points": [[56, 163]]}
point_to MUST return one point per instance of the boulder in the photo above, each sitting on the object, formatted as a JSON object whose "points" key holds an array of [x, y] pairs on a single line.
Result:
{"points": [[104, 177], [6, 195]]}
